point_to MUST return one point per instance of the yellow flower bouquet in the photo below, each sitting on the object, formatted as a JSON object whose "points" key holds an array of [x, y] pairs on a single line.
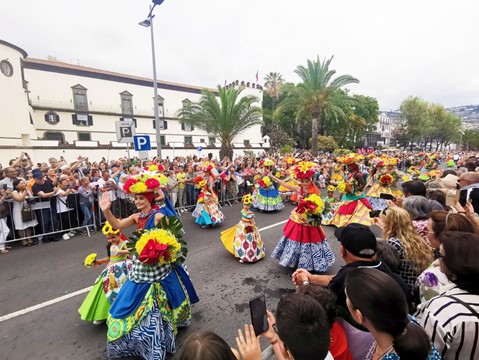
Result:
{"points": [[90, 260]]}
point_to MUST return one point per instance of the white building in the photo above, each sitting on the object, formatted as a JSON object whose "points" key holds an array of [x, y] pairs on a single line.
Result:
{"points": [[51, 108], [381, 135]]}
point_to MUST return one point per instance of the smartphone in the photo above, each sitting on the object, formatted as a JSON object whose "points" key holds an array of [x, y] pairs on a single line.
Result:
{"points": [[386, 196], [374, 213], [463, 197], [259, 318]]}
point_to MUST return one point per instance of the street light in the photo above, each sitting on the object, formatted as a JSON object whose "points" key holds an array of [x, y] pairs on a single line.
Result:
{"points": [[148, 22]]}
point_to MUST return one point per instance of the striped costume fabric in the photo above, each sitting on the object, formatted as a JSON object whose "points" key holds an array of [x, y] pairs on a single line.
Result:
{"points": [[452, 326]]}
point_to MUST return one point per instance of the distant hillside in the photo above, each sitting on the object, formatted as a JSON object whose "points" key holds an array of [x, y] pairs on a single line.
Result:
{"points": [[468, 113]]}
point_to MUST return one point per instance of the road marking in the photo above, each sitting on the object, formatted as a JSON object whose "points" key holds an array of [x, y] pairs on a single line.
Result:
{"points": [[44, 304], [82, 291]]}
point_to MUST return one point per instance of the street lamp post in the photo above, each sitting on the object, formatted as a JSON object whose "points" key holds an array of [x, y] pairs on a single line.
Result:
{"points": [[148, 22]]}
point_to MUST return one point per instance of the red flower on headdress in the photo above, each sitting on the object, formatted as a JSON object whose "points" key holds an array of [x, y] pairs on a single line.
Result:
{"points": [[128, 183], [152, 184]]}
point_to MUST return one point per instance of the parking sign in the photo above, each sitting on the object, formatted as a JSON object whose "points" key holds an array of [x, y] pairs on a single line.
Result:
{"points": [[142, 142], [125, 131]]}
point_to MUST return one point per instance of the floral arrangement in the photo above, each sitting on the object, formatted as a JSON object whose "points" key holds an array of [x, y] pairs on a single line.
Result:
{"points": [[386, 179], [90, 260], [152, 168], [141, 184], [331, 188], [268, 162], [247, 199], [199, 182], [406, 178], [434, 173], [290, 160], [107, 229], [349, 159], [431, 164], [162, 245], [346, 187], [311, 208], [413, 171], [264, 182], [304, 170], [157, 246]]}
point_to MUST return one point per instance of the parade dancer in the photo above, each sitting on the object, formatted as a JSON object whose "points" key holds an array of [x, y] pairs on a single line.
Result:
{"points": [[244, 240], [207, 212], [354, 207], [97, 303], [267, 196], [304, 243], [157, 297]]}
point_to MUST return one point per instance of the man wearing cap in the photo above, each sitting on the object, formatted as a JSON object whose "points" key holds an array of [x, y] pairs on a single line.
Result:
{"points": [[45, 208]]}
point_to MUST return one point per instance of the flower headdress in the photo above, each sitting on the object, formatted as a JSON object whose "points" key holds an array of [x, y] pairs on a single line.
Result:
{"points": [[107, 229], [141, 184], [247, 199], [350, 159], [386, 179], [207, 167], [199, 181], [268, 162], [290, 160], [304, 170], [331, 188], [434, 173], [152, 167]]}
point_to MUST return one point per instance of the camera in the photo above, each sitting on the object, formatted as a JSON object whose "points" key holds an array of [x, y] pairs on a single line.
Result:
{"points": [[374, 213]]}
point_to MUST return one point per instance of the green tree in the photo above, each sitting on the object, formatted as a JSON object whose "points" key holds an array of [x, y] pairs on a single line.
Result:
{"points": [[415, 119], [470, 139], [316, 92], [274, 82], [225, 115], [447, 126]]}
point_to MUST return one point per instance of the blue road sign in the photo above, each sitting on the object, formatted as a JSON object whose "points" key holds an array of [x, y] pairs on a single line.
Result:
{"points": [[142, 142], [199, 148]]}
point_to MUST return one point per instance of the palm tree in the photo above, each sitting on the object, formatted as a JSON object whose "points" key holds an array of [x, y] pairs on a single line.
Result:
{"points": [[274, 82], [317, 92], [225, 115]]}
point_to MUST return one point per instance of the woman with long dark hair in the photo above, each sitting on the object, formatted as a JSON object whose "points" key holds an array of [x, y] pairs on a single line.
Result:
{"points": [[378, 303]]}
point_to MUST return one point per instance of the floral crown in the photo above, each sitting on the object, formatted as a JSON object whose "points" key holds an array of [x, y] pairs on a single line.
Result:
{"points": [[268, 162], [154, 167], [304, 170], [331, 188], [349, 159], [386, 179], [290, 160], [199, 181], [141, 184], [247, 199], [107, 229], [207, 167]]}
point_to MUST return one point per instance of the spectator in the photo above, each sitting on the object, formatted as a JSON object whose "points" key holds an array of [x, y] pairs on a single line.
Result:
{"points": [[7, 182], [86, 194], [45, 209], [419, 209], [4, 230], [377, 302], [172, 187], [52, 177], [206, 345], [68, 219], [181, 178], [468, 181], [23, 227], [106, 184], [432, 281], [452, 318], [123, 197], [190, 188], [415, 253]]}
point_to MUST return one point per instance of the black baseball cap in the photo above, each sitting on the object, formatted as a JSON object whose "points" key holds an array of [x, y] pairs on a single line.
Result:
{"points": [[358, 239]]}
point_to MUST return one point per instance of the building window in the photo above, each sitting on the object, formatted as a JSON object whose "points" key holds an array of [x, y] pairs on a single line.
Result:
{"points": [[187, 127], [6, 68], [84, 136], [129, 119], [82, 120], [188, 140], [211, 141], [246, 143], [162, 140], [126, 103], [164, 123], [186, 105], [52, 118], [80, 100], [202, 141], [55, 136]]}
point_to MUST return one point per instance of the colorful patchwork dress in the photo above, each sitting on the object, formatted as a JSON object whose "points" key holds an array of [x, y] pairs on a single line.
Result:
{"points": [[268, 199], [353, 208], [303, 246], [377, 189], [207, 211], [152, 304], [107, 285], [244, 240]]}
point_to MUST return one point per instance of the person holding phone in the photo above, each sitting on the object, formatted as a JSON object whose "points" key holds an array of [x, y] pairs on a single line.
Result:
{"points": [[385, 185]]}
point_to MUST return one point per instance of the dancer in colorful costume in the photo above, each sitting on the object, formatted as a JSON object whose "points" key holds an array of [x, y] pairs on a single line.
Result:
{"points": [[97, 303], [333, 203], [267, 197], [354, 207], [304, 243], [207, 212], [157, 297], [162, 200], [385, 183], [243, 240]]}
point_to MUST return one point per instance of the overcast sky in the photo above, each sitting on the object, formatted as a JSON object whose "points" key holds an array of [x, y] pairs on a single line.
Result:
{"points": [[427, 48]]}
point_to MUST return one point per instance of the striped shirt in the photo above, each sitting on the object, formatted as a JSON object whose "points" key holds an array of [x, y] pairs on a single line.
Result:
{"points": [[453, 328]]}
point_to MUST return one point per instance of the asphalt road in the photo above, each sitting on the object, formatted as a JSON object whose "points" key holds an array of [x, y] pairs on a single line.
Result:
{"points": [[32, 276]]}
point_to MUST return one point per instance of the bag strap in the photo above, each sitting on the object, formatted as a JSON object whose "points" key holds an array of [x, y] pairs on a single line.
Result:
{"points": [[466, 305]]}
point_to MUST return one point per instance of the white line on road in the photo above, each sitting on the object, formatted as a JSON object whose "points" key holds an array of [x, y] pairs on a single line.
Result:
{"points": [[82, 291]]}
